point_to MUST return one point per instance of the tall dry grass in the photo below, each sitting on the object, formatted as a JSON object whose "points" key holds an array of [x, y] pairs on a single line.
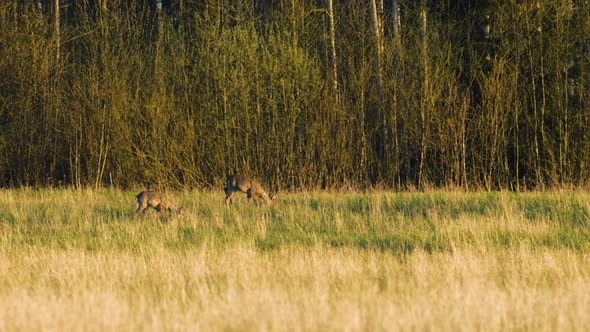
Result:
{"points": [[75, 260]]}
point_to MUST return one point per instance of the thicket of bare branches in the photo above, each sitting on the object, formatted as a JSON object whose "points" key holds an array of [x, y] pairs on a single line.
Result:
{"points": [[301, 93]]}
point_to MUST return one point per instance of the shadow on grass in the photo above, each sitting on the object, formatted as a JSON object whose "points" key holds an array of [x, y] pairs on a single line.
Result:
{"points": [[402, 244]]}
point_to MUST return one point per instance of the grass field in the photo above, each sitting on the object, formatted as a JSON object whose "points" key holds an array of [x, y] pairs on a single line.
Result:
{"points": [[75, 260]]}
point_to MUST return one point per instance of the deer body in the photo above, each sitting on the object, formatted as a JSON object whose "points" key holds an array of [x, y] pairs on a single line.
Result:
{"points": [[251, 187], [157, 201]]}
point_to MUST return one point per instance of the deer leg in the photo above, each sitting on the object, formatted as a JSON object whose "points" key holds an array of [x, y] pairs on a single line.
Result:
{"points": [[254, 197], [162, 210], [137, 211], [228, 195], [250, 196], [140, 209]]}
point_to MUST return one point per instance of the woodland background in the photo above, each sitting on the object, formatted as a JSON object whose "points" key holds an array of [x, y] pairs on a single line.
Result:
{"points": [[305, 94]]}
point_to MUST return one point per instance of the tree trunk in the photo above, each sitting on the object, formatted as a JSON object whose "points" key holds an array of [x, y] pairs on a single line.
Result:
{"points": [[395, 16], [159, 15], [57, 30], [379, 44], [397, 72], [40, 8], [536, 149], [333, 51], [294, 23], [425, 95], [382, 146]]}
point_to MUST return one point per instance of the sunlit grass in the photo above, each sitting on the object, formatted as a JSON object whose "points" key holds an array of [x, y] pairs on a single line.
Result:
{"points": [[76, 260]]}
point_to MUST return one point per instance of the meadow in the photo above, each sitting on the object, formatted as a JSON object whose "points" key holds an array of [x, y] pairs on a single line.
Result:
{"points": [[435, 260]]}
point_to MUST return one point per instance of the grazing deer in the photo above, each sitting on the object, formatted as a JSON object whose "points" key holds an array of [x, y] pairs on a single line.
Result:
{"points": [[252, 188], [157, 201]]}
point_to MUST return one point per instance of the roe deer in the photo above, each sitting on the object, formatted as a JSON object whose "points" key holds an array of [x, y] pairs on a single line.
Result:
{"points": [[252, 188], [157, 201]]}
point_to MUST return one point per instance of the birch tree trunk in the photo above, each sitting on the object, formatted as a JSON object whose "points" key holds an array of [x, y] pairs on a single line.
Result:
{"points": [[40, 8], [333, 51], [395, 16], [379, 43], [425, 96], [397, 73], [57, 30], [159, 14], [382, 146], [294, 23], [535, 120]]}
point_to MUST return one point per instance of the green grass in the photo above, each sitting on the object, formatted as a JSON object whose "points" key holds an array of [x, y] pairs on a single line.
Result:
{"points": [[396, 222]]}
